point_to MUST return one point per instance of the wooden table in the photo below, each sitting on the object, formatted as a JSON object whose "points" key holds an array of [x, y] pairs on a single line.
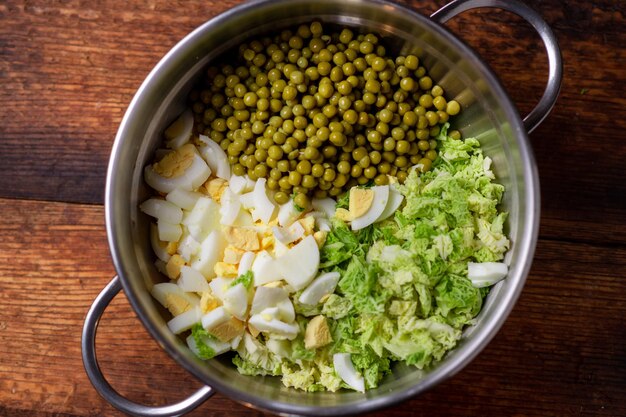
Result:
{"points": [[68, 71]]}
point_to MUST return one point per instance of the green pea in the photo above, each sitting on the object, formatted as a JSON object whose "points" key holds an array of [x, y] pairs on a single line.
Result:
{"points": [[370, 172], [239, 169], [309, 181], [294, 178], [304, 167], [402, 147], [281, 197], [398, 133], [302, 200], [356, 171], [389, 144], [453, 107], [439, 102]]}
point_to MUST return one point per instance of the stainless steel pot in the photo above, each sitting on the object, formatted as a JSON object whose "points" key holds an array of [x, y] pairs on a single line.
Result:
{"points": [[488, 114]]}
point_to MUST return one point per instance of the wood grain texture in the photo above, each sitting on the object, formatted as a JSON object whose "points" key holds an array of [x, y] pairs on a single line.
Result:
{"points": [[67, 73], [555, 347]]}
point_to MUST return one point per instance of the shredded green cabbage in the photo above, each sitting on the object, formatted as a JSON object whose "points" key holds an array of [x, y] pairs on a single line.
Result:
{"points": [[403, 294]]}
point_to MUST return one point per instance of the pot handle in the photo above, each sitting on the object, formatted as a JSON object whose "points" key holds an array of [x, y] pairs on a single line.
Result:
{"points": [[555, 72], [90, 362]]}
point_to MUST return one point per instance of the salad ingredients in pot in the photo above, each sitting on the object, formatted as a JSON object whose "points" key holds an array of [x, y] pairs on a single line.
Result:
{"points": [[317, 219]]}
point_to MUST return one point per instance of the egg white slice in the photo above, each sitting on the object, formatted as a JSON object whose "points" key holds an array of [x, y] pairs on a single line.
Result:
{"points": [[185, 321], [484, 274], [216, 345], [158, 247], [230, 207], [183, 198], [395, 199], [215, 157], [179, 132], [287, 213], [193, 177], [162, 290], [322, 285], [345, 369], [264, 208], [299, 265], [187, 246], [245, 263], [275, 327], [162, 210], [169, 232], [203, 219], [381, 196], [191, 280], [263, 269], [219, 286], [266, 297], [279, 347], [325, 205], [215, 317], [211, 251], [236, 301], [240, 184]]}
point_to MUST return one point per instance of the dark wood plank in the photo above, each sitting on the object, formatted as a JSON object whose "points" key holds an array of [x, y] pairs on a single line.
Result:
{"points": [[69, 72], [562, 346]]}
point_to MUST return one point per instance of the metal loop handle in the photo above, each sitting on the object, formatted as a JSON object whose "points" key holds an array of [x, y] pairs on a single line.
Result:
{"points": [[90, 362], [555, 74]]}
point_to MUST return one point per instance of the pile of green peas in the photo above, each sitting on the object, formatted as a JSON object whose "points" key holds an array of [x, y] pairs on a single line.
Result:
{"points": [[316, 113]]}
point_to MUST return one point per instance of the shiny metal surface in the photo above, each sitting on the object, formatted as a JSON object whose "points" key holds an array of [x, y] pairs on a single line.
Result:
{"points": [[555, 70], [90, 361], [488, 115]]}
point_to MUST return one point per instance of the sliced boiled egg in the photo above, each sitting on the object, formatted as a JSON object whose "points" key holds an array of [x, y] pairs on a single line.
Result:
{"points": [[183, 198], [191, 280], [240, 184], [211, 251], [287, 213], [185, 321], [230, 206], [321, 286], [245, 263], [325, 205], [172, 297], [266, 297], [280, 248], [188, 176], [279, 347], [169, 232], [236, 301], [247, 200], [219, 286], [203, 218], [286, 312], [215, 317], [263, 268], [395, 199], [345, 369], [188, 247], [299, 265], [289, 234], [162, 210], [266, 323], [217, 346], [484, 274], [215, 157], [379, 202], [264, 209], [179, 132], [158, 246]]}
